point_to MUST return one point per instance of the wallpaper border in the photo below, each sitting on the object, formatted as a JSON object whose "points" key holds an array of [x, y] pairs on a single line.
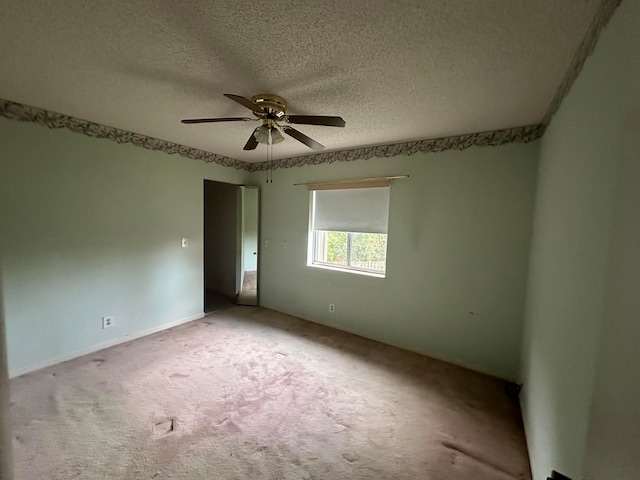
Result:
{"points": [[457, 142], [586, 47], [25, 113]]}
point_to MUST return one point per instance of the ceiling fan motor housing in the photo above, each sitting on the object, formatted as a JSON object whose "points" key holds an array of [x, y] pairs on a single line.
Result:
{"points": [[274, 105]]}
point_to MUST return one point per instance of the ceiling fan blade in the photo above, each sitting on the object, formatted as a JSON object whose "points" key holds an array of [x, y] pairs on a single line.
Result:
{"points": [[301, 137], [317, 120], [212, 120], [252, 143], [246, 102]]}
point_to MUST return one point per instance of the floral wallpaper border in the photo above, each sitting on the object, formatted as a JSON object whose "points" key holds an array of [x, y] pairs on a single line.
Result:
{"points": [[458, 142], [25, 113], [586, 47]]}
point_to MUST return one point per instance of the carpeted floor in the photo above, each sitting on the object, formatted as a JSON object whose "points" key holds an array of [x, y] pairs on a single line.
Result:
{"points": [[214, 302], [249, 393]]}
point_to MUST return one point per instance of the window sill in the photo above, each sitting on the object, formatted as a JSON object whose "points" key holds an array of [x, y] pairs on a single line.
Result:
{"points": [[346, 270]]}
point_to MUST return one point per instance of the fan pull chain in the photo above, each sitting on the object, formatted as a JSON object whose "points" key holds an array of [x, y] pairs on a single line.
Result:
{"points": [[269, 160], [268, 151]]}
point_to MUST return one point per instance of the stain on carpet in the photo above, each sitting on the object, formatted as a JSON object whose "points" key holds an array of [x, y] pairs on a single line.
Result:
{"points": [[164, 427], [351, 457]]}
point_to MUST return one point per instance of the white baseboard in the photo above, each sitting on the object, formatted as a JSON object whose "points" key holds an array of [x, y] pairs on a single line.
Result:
{"points": [[403, 347], [102, 345]]}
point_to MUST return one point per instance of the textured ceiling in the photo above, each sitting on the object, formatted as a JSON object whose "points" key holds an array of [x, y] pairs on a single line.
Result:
{"points": [[396, 71]]}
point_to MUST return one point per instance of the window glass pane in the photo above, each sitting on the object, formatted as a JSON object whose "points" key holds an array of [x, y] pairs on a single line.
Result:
{"points": [[330, 247], [337, 247], [368, 251], [352, 251]]}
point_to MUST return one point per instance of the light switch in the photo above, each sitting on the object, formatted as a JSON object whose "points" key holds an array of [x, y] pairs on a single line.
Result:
{"points": [[185, 242]]}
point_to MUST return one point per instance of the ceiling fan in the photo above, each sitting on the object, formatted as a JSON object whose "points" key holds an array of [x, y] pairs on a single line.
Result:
{"points": [[272, 111]]}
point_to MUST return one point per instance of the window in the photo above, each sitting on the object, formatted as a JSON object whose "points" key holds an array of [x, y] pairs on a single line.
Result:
{"points": [[349, 226]]}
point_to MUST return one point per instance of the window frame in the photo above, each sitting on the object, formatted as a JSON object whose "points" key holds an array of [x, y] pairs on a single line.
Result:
{"points": [[312, 248]]}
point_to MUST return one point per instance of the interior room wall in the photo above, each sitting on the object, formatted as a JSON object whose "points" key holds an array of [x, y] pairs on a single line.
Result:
{"points": [[93, 228], [6, 437], [567, 313], [613, 439], [614, 435], [459, 231]]}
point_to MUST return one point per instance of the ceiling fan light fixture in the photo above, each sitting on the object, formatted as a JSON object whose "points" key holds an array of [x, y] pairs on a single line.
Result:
{"points": [[276, 136], [268, 135], [262, 134]]}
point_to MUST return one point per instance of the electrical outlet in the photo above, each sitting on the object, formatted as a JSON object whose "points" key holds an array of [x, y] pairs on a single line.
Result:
{"points": [[185, 242], [332, 308], [107, 322]]}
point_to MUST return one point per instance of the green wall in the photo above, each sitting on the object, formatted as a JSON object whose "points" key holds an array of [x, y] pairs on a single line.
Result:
{"points": [[459, 231], [568, 313], [93, 228]]}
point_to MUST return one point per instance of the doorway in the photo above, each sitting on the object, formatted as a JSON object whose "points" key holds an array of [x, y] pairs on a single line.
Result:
{"points": [[230, 245], [248, 294]]}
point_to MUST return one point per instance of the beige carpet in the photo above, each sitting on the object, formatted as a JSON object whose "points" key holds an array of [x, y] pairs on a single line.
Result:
{"points": [[248, 393]]}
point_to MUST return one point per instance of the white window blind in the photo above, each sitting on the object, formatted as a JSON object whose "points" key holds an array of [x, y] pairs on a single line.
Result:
{"points": [[363, 210]]}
